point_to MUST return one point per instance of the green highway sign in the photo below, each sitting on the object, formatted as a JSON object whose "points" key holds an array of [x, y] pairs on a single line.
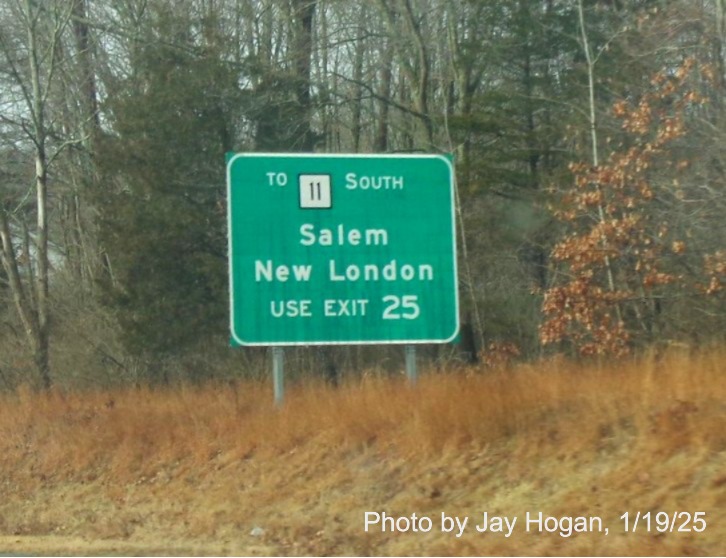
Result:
{"points": [[341, 249]]}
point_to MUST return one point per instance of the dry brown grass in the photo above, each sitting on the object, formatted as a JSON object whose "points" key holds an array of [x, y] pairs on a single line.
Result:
{"points": [[198, 464]]}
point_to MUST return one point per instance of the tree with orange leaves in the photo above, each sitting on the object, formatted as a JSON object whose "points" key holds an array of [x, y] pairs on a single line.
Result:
{"points": [[615, 266]]}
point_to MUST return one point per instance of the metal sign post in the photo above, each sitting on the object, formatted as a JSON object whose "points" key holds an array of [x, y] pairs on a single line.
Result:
{"points": [[278, 373], [411, 372]]}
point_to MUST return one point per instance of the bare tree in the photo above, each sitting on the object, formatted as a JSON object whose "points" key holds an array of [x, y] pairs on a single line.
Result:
{"points": [[31, 55], [413, 55]]}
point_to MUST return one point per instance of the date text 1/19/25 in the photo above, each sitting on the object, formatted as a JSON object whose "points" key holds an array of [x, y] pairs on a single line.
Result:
{"points": [[664, 522]]}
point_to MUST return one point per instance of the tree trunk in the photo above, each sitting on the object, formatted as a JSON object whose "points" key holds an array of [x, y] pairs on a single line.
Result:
{"points": [[88, 75], [357, 96], [40, 341], [594, 139], [304, 13], [380, 143]]}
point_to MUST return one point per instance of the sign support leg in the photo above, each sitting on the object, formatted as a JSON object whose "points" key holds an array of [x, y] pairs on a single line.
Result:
{"points": [[278, 373], [411, 372]]}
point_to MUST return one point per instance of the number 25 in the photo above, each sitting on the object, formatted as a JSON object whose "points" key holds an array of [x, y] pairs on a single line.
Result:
{"points": [[405, 307]]}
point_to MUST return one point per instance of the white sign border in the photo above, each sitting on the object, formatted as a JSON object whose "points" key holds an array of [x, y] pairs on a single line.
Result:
{"points": [[452, 178]]}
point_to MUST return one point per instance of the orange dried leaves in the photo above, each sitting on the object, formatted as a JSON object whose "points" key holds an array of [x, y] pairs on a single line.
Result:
{"points": [[612, 256]]}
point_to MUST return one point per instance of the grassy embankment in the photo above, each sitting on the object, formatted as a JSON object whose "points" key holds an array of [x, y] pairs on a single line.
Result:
{"points": [[194, 470]]}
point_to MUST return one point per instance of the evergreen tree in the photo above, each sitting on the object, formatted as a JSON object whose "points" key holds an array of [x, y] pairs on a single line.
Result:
{"points": [[163, 218]]}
